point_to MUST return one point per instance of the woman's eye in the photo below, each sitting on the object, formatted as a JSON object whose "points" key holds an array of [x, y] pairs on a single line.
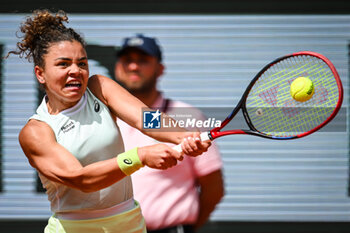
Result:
{"points": [[82, 64], [63, 64]]}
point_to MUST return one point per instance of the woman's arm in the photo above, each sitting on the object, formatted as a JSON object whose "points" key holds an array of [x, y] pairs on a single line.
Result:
{"points": [[129, 109], [57, 164]]}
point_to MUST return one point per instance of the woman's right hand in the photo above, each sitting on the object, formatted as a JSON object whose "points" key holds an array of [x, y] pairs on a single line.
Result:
{"points": [[159, 156]]}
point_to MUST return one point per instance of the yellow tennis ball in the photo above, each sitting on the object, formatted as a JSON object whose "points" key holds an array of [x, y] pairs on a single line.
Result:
{"points": [[302, 89]]}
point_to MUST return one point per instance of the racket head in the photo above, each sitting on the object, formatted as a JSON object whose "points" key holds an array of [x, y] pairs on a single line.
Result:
{"points": [[271, 112]]}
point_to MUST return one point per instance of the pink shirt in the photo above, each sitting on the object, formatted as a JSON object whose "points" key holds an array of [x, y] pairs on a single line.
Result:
{"points": [[168, 197]]}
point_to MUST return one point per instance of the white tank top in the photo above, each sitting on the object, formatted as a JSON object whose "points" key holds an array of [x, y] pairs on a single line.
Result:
{"points": [[89, 132]]}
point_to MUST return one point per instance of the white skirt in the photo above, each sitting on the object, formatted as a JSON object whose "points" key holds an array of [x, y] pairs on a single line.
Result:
{"points": [[130, 221]]}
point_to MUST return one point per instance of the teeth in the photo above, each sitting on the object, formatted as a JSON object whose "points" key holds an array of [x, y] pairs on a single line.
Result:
{"points": [[73, 84]]}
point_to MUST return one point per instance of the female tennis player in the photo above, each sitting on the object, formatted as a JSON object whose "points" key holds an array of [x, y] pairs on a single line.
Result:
{"points": [[73, 141]]}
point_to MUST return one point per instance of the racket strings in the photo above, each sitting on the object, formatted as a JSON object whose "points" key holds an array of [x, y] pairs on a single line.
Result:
{"points": [[274, 112]]}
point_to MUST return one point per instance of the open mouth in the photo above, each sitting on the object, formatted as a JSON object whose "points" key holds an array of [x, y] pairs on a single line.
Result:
{"points": [[73, 84]]}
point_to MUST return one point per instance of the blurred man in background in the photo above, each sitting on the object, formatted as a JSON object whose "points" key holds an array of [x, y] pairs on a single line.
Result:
{"points": [[182, 198]]}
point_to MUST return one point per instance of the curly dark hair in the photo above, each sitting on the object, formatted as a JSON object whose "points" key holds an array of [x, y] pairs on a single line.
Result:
{"points": [[40, 31]]}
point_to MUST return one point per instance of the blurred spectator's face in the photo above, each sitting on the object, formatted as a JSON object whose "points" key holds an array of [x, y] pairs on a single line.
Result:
{"points": [[138, 71]]}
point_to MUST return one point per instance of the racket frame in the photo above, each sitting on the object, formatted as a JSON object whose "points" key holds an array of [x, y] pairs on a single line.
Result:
{"points": [[216, 132]]}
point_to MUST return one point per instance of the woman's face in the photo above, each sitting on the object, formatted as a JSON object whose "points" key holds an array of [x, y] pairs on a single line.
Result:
{"points": [[64, 75]]}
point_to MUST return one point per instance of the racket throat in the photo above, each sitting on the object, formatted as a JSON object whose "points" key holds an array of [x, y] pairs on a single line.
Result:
{"points": [[216, 134]]}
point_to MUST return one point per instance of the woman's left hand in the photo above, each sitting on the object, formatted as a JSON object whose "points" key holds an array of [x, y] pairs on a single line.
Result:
{"points": [[192, 145]]}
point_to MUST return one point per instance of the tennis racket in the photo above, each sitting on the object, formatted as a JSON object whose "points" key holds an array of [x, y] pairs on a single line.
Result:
{"points": [[269, 109]]}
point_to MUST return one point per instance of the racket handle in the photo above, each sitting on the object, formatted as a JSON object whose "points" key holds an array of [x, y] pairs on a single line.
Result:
{"points": [[203, 136]]}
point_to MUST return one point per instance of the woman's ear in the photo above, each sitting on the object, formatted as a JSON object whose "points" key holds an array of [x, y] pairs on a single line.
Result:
{"points": [[39, 74]]}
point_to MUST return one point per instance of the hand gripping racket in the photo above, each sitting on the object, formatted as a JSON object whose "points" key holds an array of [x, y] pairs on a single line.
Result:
{"points": [[269, 109]]}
